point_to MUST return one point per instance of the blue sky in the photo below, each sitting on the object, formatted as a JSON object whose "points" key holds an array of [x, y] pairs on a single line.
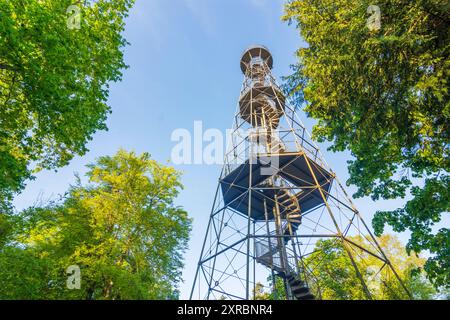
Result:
{"points": [[184, 66]]}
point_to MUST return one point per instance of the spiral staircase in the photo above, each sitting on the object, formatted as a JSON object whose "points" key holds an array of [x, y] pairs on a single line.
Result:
{"points": [[273, 254]]}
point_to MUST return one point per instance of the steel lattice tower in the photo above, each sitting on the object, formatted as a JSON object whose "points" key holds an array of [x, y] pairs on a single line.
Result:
{"points": [[275, 200]]}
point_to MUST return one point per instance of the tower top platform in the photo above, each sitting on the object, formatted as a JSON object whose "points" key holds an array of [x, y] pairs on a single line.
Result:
{"points": [[256, 51]]}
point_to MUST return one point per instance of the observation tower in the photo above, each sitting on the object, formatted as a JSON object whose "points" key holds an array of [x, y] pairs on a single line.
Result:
{"points": [[278, 204]]}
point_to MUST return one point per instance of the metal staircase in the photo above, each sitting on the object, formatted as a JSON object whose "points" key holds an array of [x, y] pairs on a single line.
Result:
{"points": [[299, 288], [272, 251]]}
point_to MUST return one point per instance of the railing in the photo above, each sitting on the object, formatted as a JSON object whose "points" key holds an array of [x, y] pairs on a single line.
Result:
{"points": [[250, 83], [268, 252]]}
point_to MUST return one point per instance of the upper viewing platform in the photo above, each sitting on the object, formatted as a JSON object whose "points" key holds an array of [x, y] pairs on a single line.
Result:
{"points": [[255, 54], [261, 101]]}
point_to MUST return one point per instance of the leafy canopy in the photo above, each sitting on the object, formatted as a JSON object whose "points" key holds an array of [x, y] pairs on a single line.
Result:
{"points": [[122, 230], [334, 277], [54, 82], [331, 275], [383, 94]]}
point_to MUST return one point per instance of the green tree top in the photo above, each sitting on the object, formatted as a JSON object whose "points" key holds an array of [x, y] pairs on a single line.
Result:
{"points": [[383, 94], [54, 82], [122, 229]]}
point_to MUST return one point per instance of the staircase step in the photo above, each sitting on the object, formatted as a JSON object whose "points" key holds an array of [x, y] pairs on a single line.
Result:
{"points": [[290, 277], [307, 296], [282, 200], [300, 291], [296, 283], [286, 201], [293, 216]]}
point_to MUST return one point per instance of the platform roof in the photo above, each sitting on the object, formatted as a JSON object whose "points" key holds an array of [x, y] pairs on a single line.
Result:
{"points": [[256, 51], [292, 167]]}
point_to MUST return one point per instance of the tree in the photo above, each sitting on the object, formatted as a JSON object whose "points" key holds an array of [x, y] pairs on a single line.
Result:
{"points": [[383, 94], [122, 230], [336, 279], [276, 291], [54, 82], [331, 275], [259, 293], [334, 275]]}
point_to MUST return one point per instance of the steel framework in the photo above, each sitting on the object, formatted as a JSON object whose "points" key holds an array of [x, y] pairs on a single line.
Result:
{"points": [[276, 199]]}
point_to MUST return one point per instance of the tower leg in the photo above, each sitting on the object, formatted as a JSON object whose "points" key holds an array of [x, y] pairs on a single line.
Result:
{"points": [[249, 214], [341, 236], [375, 240]]}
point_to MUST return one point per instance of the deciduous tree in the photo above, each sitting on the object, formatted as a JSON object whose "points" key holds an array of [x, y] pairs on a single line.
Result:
{"points": [[54, 82], [383, 94], [335, 277], [122, 230], [331, 275]]}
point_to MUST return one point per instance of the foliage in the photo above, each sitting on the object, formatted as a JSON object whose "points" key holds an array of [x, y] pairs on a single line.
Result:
{"points": [[276, 291], [122, 229], [334, 274], [383, 95], [54, 82], [22, 274], [259, 293], [335, 277]]}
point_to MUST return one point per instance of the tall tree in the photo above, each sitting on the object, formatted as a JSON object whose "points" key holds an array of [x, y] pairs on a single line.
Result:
{"points": [[335, 278], [56, 60], [380, 90], [332, 276], [122, 231]]}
